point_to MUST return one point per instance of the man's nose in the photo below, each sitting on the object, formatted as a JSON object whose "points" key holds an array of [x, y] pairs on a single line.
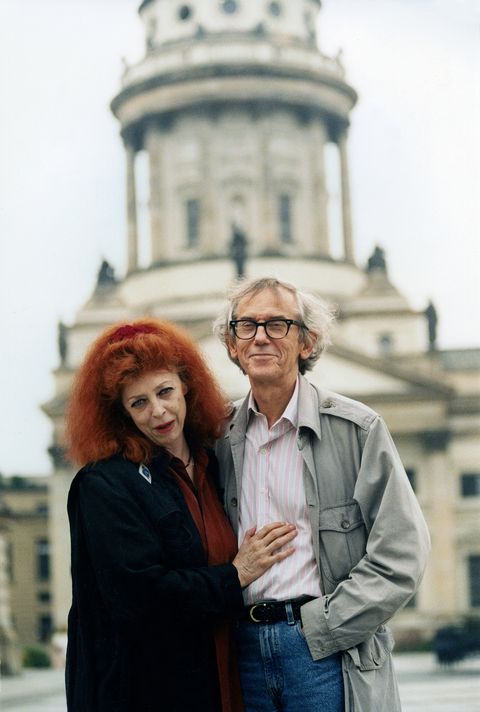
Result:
{"points": [[261, 336]]}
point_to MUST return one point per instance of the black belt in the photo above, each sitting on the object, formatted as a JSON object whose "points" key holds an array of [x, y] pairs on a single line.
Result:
{"points": [[274, 611]]}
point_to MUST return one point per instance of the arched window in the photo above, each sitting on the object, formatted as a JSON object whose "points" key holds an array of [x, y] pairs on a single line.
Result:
{"points": [[385, 344], [185, 12], [192, 222], [275, 9], [229, 6], [43, 559], [285, 218]]}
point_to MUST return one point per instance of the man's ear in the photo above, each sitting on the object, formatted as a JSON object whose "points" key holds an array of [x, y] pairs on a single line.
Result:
{"points": [[232, 348], [306, 347]]}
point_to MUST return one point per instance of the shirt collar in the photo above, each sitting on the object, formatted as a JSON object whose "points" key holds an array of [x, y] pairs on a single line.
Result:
{"points": [[290, 413]]}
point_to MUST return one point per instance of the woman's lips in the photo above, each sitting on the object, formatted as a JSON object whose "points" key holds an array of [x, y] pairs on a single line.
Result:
{"points": [[165, 428]]}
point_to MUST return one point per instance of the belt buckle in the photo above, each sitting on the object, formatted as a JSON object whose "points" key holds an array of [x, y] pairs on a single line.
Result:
{"points": [[252, 608]]}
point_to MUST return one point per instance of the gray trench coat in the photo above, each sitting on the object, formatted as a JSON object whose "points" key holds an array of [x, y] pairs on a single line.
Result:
{"points": [[369, 536]]}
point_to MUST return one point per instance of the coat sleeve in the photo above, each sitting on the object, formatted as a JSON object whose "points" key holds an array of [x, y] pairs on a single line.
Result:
{"points": [[125, 552], [392, 566]]}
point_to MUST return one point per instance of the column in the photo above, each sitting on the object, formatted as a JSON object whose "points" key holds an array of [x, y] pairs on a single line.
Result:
{"points": [[439, 589], [320, 240], [132, 231], [208, 233], [268, 238], [346, 202], [153, 145]]}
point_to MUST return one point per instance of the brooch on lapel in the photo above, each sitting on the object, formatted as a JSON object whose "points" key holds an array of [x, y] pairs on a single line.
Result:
{"points": [[145, 472]]}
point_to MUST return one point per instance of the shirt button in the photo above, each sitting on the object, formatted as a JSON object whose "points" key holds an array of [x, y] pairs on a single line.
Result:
{"points": [[345, 524], [328, 404], [263, 451], [234, 502]]}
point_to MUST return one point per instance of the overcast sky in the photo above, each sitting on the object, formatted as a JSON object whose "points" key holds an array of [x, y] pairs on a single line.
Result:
{"points": [[414, 155]]}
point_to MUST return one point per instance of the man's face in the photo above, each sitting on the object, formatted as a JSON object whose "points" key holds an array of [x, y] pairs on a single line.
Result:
{"points": [[266, 360]]}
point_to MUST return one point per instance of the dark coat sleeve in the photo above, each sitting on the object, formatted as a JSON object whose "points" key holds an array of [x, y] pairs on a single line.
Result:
{"points": [[146, 562]]}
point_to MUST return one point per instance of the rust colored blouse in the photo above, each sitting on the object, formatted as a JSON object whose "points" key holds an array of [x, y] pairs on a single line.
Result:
{"points": [[220, 546]]}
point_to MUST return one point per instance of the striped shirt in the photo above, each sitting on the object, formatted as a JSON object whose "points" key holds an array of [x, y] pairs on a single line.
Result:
{"points": [[272, 490]]}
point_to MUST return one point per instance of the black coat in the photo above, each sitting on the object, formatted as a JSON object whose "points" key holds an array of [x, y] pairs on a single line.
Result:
{"points": [[144, 600]]}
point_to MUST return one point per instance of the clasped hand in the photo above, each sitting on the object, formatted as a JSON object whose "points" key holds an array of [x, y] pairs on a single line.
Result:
{"points": [[261, 549]]}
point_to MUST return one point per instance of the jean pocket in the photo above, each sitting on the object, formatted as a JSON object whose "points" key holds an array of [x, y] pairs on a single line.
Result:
{"points": [[299, 629]]}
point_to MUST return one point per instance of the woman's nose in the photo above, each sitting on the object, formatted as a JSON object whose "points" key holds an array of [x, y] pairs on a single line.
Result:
{"points": [[158, 408]]}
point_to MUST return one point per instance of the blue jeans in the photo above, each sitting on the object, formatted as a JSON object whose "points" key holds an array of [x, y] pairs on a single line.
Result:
{"points": [[278, 674]]}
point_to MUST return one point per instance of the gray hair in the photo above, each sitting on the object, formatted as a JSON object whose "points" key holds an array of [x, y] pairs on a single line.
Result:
{"points": [[316, 314]]}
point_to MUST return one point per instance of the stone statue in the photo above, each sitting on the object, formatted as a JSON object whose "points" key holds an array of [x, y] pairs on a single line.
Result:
{"points": [[106, 275], [58, 456], [377, 261], [238, 250], [62, 342], [432, 320]]}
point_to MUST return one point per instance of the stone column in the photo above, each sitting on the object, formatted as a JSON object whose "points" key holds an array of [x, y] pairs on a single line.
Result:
{"points": [[439, 589], [132, 230], [208, 236], [346, 202], [153, 145], [269, 239], [318, 140]]}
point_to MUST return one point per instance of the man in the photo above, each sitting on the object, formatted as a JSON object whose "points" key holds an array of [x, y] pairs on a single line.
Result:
{"points": [[313, 638]]}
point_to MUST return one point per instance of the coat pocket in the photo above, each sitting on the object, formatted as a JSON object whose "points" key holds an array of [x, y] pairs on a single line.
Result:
{"points": [[372, 653], [371, 684], [342, 539]]}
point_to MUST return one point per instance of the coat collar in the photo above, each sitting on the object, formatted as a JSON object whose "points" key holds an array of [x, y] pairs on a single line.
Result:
{"points": [[308, 413]]}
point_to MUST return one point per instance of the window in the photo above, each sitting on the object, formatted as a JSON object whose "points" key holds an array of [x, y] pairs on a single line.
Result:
{"points": [[229, 6], [285, 218], [184, 12], [275, 9], [44, 597], [474, 579], [470, 484], [44, 628], [411, 477], [385, 344], [43, 559], [192, 217]]}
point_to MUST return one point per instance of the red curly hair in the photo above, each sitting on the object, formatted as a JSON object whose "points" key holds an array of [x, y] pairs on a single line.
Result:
{"points": [[97, 426]]}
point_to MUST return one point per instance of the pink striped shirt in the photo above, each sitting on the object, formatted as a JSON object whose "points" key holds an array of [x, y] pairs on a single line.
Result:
{"points": [[272, 490]]}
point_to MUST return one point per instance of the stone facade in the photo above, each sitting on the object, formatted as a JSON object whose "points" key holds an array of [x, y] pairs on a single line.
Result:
{"points": [[26, 558], [233, 113]]}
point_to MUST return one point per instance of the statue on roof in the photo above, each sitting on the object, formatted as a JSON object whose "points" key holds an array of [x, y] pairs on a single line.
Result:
{"points": [[377, 261], [238, 249], [62, 342], [432, 321], [106, 275]]}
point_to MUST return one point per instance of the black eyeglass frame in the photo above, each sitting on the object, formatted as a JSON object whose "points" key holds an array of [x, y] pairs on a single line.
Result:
{"points": [[289, 322]]}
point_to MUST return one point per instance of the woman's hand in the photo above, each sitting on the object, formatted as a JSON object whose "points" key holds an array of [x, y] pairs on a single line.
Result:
{"points": [[260, 550]]}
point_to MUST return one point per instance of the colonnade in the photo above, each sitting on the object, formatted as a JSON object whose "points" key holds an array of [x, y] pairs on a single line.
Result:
{"points": [[154, 140]]}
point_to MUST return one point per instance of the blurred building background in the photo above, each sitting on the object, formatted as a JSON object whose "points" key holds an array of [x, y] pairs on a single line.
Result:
{"points": [[235, 129]]}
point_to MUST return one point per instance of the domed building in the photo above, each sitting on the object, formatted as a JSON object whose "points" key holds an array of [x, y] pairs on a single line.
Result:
{"points": [[235, 129]]}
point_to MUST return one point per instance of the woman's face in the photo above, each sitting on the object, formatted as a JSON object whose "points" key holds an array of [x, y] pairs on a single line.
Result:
{"points": [[155, 401]]}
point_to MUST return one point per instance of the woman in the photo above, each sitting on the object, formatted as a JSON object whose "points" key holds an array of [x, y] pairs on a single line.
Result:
{"points": [[154, 564]]}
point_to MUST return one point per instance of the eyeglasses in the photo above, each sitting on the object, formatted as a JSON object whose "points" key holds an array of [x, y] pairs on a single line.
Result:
{"points": [[274, 328]]}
